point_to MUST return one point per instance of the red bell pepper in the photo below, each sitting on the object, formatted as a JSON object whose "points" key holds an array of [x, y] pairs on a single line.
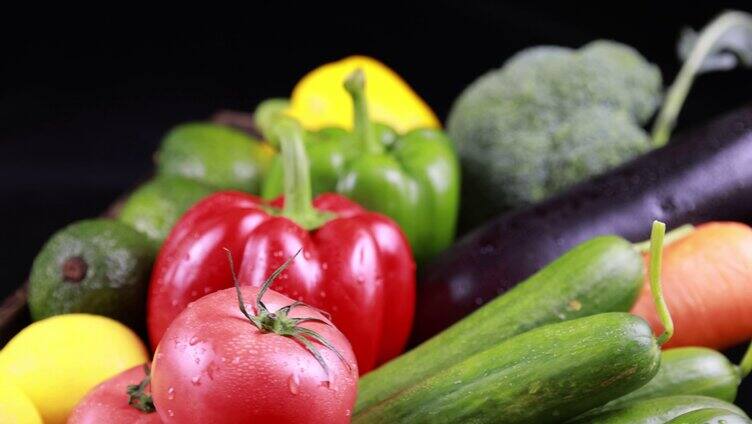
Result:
{"points": [[356, 265]]}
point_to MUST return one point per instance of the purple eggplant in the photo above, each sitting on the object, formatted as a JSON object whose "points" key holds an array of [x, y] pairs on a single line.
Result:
{"points": [[700, 176]]}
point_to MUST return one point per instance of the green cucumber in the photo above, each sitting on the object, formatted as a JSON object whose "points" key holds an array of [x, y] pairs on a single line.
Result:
{"points": [[710, 416], [689, 371], [658, 410], [546, 375], [604, 274]]}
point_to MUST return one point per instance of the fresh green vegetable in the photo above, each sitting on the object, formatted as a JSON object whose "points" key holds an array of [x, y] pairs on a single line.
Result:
{"points": [[156, 205], [546, 375], [412, 178], [553, 116], [550, 117], [658, 410], [601, 275], [688, 371], [97, 266], [710, 416], [216, 155]]}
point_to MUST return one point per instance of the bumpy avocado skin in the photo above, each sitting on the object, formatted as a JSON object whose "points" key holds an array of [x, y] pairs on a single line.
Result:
{"points": [[118, 264], [155, 207], [215, 155]]}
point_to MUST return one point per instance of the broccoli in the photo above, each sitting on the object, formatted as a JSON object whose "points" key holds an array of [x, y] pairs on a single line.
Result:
{"points": [[549, 118]]}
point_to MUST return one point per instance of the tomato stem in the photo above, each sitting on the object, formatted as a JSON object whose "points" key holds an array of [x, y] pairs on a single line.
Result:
{"points": [[137, 396], [362, 125], [656, 261], [279, 322]]}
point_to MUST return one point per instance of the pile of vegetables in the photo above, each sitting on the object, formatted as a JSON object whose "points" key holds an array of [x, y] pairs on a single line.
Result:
{"points": [[277, 276]]}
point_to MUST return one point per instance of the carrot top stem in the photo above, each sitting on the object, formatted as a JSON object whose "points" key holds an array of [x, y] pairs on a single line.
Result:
{"points": [[656, 259], [672, 236]]}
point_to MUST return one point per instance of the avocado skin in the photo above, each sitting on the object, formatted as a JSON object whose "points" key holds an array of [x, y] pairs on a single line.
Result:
{"points": [[155, 207], [118, 265]]}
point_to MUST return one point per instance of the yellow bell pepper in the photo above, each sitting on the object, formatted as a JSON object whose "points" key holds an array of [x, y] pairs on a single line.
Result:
{"points": [[319, 99]]}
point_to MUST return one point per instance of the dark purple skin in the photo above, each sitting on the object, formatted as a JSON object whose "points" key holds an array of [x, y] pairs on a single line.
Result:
{"points": [[699, 176]]}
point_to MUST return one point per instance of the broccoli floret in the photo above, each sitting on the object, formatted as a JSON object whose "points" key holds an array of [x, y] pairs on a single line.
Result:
{"points": [[551, 117]]}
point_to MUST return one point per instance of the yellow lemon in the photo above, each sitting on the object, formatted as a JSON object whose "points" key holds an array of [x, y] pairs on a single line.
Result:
{"points": [[15, 406], [320, 100], [56, 361]]}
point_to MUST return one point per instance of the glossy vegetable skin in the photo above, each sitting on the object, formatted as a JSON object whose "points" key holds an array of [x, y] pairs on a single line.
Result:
{"points": [[108, 402], [411, 178], [214, 366], [710, 416], [700, 176], [707, 278], [356, 265], [601, 275], [689, 371], [545, 375], [319, 101], [658, 410], [216, 155]]}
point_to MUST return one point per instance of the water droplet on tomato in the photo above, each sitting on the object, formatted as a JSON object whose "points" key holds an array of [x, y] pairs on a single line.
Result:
{"points": [[324, 266], [196, 380], [174, 302], [348, 413], [294, 384], [236, 360], [207, 290], [322, 293], [170, 413], [193, 340], [171, 393]]}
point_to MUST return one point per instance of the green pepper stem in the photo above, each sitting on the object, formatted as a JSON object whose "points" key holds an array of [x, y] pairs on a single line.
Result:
{"points": [[362, 125], [745, 366], [288, 134], [710, 35], [672, 236], [656, 258]]}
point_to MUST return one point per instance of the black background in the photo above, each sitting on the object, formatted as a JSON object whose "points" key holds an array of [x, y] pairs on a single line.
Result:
{"points": [[86, 95]]}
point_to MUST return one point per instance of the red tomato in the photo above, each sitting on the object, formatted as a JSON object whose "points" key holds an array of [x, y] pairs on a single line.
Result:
{"points": [[108, 402], [214, 366]]}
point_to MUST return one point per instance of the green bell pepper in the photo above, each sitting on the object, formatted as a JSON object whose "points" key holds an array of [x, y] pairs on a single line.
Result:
{"points": [[412, 178]]}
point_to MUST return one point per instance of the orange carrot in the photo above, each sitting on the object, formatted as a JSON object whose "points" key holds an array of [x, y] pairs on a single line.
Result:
{"points": [[707, 282]]}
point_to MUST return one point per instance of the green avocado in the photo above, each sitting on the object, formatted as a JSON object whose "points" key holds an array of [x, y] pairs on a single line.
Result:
{"points": [[156, 205], [216, 155], [97, 266]]}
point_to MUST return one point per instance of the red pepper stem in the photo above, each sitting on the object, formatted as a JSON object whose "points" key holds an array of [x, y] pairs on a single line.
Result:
{"points": [[297, 169], [297, 180], [362, 125]]}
